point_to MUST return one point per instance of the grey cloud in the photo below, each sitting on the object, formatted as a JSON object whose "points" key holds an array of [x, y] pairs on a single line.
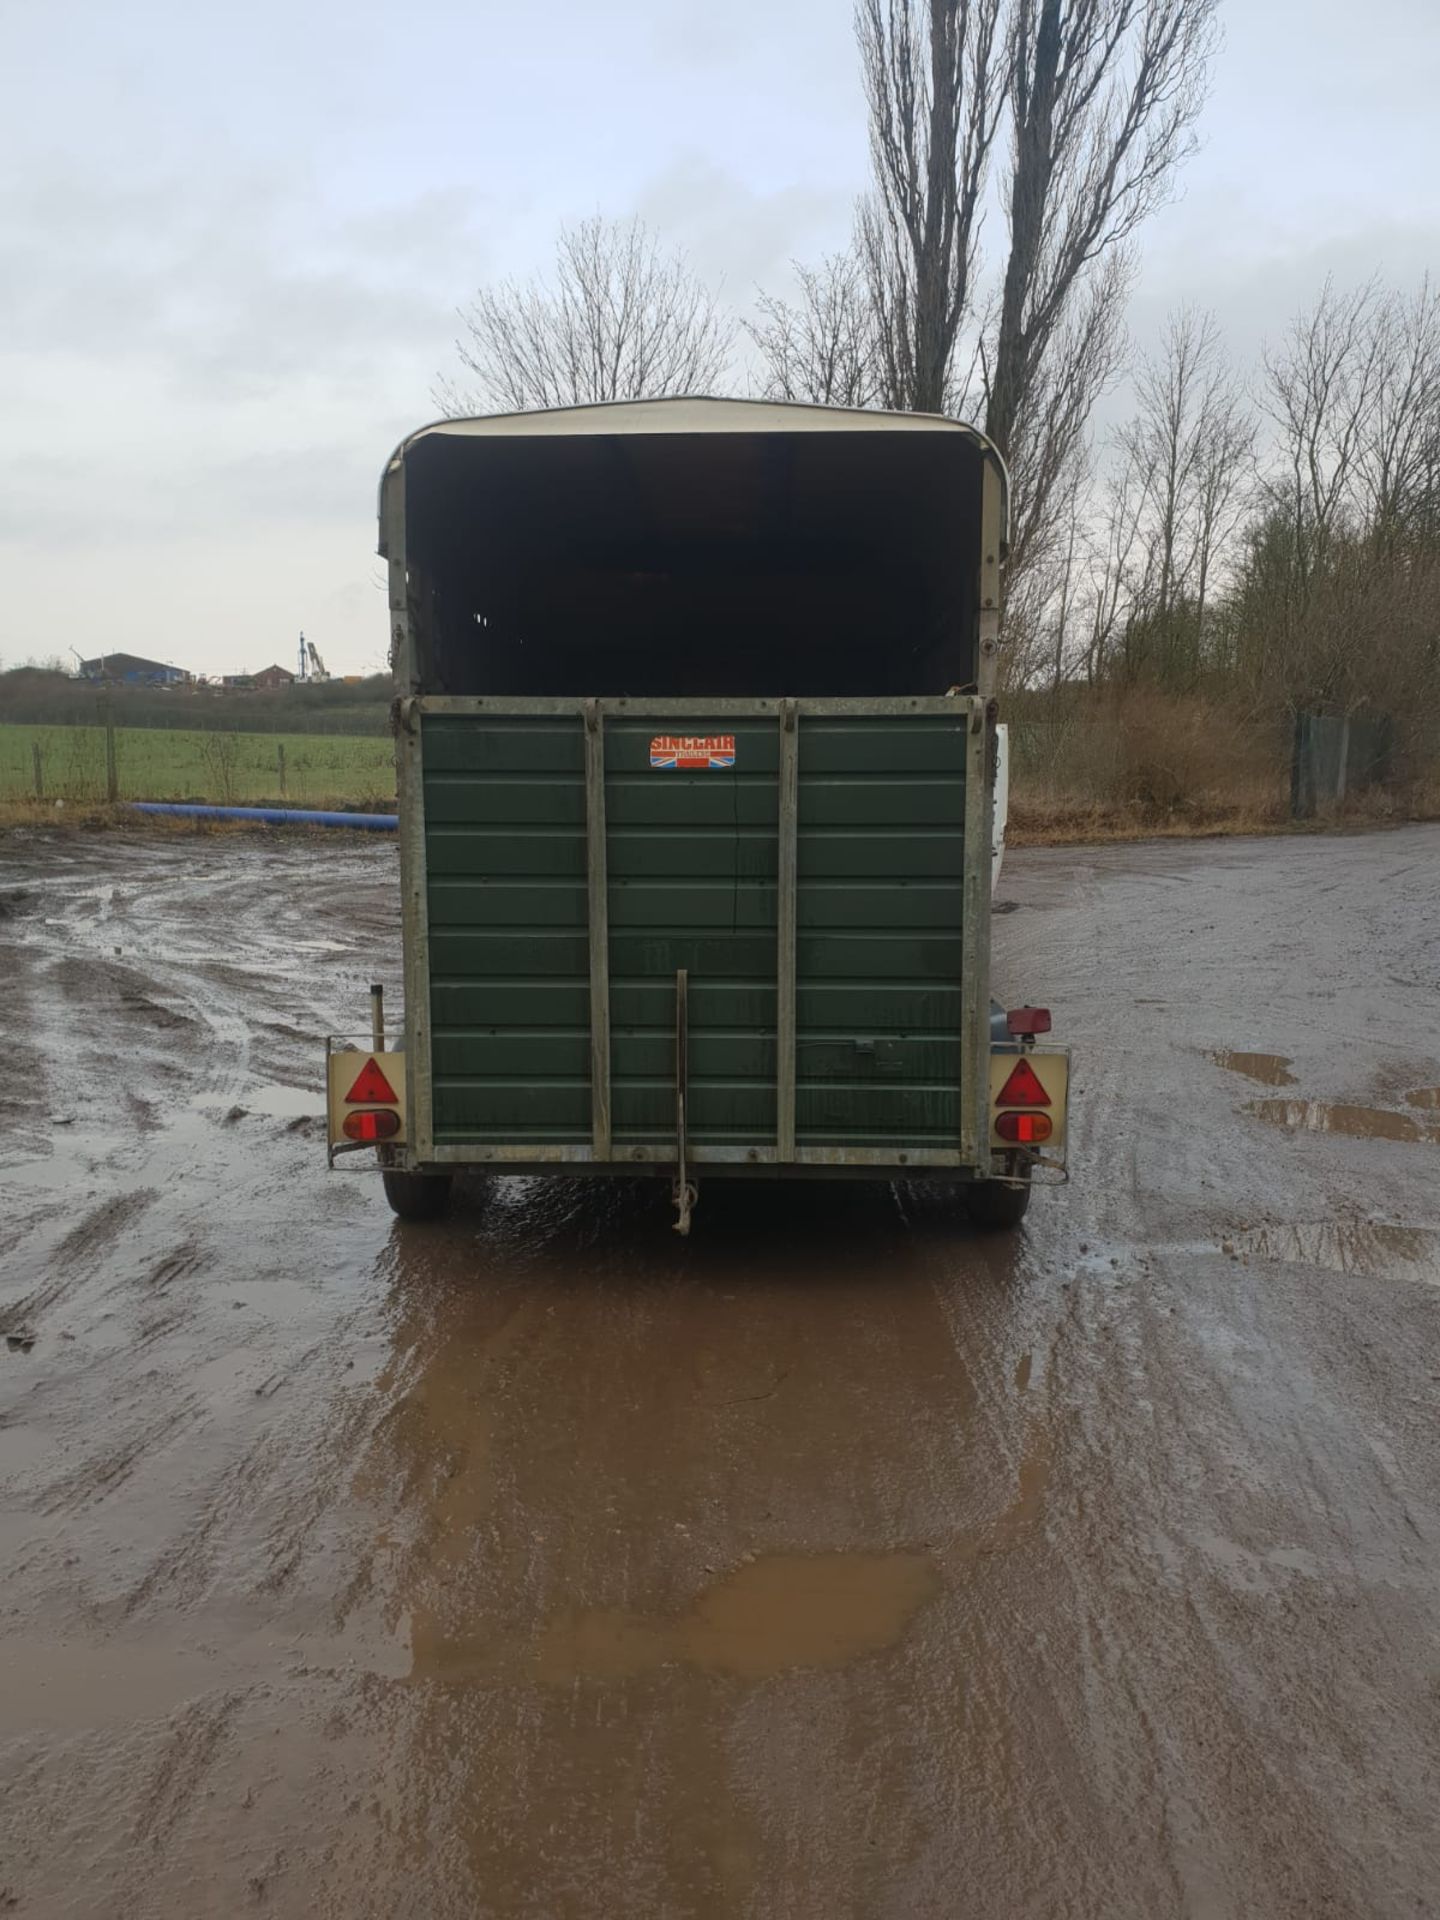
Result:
{"points": [[735, 233], [233, 287], [231, 292]]}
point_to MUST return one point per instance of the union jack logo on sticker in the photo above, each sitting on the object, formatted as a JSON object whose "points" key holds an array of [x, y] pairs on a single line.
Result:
{"points": [[692, 752]]}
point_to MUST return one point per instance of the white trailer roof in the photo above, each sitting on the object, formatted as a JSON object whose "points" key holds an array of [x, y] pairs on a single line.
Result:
{"points": [[698, 413]]}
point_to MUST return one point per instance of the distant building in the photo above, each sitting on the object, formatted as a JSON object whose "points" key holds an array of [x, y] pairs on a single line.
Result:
{"points": [[269, 679], [131, 670]]}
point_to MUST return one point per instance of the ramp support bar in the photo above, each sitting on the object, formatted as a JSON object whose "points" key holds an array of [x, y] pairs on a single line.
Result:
{"points": [[788, 867], [686, 1193], [974, 1140], [599, 919]]}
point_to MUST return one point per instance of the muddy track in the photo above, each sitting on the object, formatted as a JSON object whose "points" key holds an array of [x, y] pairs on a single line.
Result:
{"points": [[835, 1562]]}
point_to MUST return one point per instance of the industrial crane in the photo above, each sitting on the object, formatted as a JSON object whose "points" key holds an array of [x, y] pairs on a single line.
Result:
{"points": [[312, 667]]}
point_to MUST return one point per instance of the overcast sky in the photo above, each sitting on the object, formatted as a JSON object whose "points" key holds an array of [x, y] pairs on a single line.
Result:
{"points": [[232, 240]]}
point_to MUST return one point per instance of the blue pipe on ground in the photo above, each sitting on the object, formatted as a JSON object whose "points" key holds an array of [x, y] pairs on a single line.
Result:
{"points": [[271, 816]]}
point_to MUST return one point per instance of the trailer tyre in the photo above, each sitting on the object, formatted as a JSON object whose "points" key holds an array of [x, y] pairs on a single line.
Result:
{"points": [[994, 1205], [418, 1196]]}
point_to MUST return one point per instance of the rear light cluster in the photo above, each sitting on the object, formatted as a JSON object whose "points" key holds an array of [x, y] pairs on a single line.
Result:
{"points": [[1025, 1022], [372, 1123], [1023, 1088]]}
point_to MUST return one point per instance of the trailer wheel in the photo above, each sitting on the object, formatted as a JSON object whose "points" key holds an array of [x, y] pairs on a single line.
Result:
{"points": [[417, 1196], [994, 1206]]}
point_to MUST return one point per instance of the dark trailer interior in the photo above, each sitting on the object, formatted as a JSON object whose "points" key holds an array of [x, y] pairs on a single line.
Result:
{"points": [[690, 547]]}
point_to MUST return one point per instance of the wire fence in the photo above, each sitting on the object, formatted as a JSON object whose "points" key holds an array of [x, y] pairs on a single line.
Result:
{"points": [[180, 713], [80, 764]]}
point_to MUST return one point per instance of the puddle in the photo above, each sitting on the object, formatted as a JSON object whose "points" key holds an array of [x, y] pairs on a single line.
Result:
{"points": [[1427, 1098], [787, 1610], [777, 1613], [1330, 1116], [272, 1103], [1270, 1069], [1346, 1246]]}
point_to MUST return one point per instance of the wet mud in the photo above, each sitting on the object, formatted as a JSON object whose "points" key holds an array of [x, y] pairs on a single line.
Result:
{"points": [[835, 1562], [1344, 1116], [1270, 1069]]}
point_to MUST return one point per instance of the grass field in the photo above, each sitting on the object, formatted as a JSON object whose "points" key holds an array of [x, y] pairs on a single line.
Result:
{"points": [[161, 763]]}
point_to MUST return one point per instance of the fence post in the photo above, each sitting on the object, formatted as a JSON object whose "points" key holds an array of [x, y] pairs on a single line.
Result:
{"points": [[1299, 810], [1344, 767], [280, 763], [39, 770], [112, 777]]}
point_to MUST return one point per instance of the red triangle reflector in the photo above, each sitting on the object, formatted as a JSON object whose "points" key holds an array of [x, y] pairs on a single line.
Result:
{"points": [[1023, 1089], [371, 1088]]}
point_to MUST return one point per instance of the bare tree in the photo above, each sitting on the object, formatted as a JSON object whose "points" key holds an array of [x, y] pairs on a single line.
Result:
{"points": [[1162, 441], [622, 319], [1225, 482], [1399, 447], [825, 346], [934, 86], [1047, 445], [1332, 606], [1319, 394], [1191, 443], [1104, 97], [1045, 609], [1186, 467]]}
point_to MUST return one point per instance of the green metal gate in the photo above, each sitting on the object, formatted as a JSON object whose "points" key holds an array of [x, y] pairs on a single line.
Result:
{"points": [[825, 893]]}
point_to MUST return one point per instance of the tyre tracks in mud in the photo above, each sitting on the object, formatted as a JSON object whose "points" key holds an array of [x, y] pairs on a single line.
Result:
{"points": [[153, 1340], [537, 1563]]}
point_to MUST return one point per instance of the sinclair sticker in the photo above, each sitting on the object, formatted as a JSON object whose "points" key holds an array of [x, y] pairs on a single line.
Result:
{"points": [[692, 752]]}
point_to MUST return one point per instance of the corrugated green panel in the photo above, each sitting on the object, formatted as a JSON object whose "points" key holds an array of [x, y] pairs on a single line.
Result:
{"points": [[692, 864], [886, 957], [523, 1003], [658, 853], [724, 800], [869, 1006], [541, 1053], [548, 853], [729, 1111], [535, 1051], [919, 1112], [863, 745], [509, 952], [909, 853], [878, 959], [458, 743], [822, 1006], [512, 1110], [669, 852], [477, 901], [668, 905], [504, 800], [893, 800], [475, 954]]}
